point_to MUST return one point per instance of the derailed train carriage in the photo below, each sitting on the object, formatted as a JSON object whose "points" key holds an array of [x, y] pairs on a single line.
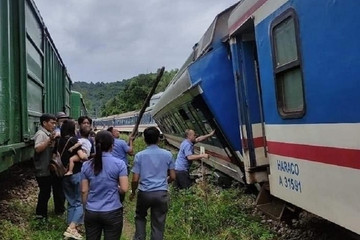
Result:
{"points": [[202, 90], [277, 79], [33, 79]]}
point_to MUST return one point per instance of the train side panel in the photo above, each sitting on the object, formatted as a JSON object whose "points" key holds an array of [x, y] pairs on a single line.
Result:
{"points": [[32, 79], [202, 97], [125, 122], [67, 88], [214, 75], [77, 104], [54, 79], [314, 154], [35, 81], [14, 129]]}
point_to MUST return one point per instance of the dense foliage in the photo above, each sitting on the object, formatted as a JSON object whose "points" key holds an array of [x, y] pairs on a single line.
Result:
{"points": [[97, 94], [103, 99]]}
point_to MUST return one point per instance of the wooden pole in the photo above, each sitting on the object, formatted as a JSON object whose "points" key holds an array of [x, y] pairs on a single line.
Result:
{"points": [[146, 103]]}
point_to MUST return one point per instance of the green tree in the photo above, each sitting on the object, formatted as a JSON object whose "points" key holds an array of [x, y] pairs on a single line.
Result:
{"points": [[104, 99]]}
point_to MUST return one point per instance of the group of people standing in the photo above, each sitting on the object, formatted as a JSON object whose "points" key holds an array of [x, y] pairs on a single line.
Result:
{"points": [[95, 187], [58, 134]]}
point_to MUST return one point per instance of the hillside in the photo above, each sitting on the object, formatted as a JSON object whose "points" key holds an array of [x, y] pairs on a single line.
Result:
{"points": [[97, 94], [103, 99]]}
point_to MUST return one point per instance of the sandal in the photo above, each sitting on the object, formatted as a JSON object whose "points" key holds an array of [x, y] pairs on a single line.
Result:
{"points": [[72, 233]]}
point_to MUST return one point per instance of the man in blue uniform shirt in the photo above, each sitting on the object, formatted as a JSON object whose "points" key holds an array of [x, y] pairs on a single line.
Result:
{"points": [[186, 155], [121, 148], [150, 171]]}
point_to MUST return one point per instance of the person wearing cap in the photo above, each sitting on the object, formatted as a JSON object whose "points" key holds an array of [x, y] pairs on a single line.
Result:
{"points": [[61, 117]]}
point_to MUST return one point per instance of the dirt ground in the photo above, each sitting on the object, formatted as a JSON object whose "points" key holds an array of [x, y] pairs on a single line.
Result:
{"points": [[17, 183]]}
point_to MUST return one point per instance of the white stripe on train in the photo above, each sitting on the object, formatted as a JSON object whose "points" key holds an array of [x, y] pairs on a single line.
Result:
{"points": [[340, 135]]}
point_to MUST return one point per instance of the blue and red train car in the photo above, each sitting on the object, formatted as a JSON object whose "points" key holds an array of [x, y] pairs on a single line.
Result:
{"points": [[278, 81]]}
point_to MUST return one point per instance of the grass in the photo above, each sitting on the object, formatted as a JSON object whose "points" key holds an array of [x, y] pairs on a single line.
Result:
{"points": [[207, 212], [202, 212], [26, 227]]}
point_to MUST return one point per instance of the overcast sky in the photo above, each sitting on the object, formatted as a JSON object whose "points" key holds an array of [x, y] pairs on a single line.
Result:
{"points": [[112, 40]]}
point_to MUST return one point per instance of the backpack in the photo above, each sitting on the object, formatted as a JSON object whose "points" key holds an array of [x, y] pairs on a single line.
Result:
{"points": [[56, 166]]}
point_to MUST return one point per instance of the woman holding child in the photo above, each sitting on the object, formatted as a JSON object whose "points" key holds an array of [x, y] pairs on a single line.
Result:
{"points": [[71, 183]]}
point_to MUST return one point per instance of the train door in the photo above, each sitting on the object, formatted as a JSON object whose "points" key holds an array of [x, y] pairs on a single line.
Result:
{"points": [[250, 111]]}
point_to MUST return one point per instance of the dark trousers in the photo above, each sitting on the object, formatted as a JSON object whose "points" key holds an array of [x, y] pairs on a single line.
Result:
{"points": [[122, 198], [111, 222], [45, 185], [157, 201], [183, 180]]}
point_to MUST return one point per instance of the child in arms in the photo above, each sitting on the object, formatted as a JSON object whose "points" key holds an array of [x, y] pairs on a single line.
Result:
{"points": [[85, 146]]}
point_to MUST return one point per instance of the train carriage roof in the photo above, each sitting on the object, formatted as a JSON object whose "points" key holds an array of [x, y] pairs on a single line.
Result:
{"points": [[119, 116], [215, 34], [242, 13]]}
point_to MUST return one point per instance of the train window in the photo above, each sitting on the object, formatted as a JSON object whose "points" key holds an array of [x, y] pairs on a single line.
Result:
{"points": [[180, 121], [195, 124], [175, 123], [285, 42], [287, 65], [169, 125], [190, 125], [183, 114], [206, 125], [164, 124], [160, 123], [178, 124], [145, 118], [173, 129], [194, 114]]}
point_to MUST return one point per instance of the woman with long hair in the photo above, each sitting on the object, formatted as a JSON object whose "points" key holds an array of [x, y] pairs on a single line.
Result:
{"points": [[71, 184], [102, 179]]}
